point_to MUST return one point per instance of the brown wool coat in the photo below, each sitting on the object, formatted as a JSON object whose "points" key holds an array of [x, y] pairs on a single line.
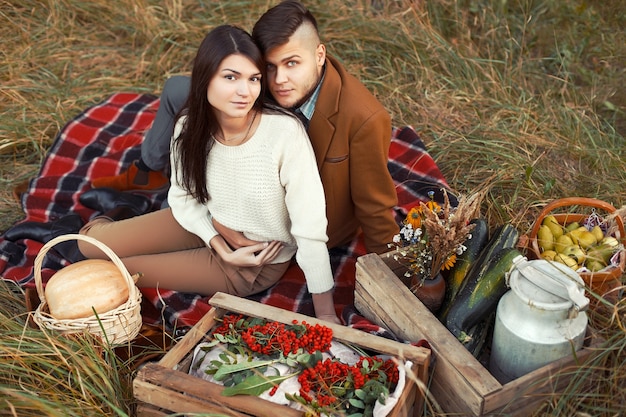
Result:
{"points": [[351, 132]]}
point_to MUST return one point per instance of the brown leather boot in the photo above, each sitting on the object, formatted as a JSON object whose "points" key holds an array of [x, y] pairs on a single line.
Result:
{"points": [[134, 179]]}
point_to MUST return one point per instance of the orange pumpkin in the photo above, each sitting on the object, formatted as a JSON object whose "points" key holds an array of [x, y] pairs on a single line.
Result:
{"points": [[76, 290]]}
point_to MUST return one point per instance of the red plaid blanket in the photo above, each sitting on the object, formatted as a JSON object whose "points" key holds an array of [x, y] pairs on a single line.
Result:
{"points": [[106, 138]]}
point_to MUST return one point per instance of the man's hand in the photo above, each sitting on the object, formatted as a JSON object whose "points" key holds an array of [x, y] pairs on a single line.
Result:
{"points": [[234, 239]]}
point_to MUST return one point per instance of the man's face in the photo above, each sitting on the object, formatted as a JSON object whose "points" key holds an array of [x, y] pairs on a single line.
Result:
{"points": [[294, 69]]}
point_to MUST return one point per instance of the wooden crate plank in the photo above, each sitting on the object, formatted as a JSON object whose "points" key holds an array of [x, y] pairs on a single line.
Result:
{"points": [[166, 399], [446, 393], [419, 355], [517, 409], [188, 393], [191, 339], [446, 382], [147, 410], [542, 382], [413, 321], [373, 273], [407, 405]]}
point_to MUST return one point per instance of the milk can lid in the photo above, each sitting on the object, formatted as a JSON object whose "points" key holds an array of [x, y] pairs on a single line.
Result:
{"points": [[548, 282]]}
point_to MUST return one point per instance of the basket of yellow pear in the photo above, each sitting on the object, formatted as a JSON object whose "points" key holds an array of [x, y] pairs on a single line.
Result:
{"points": [[586, 235]]}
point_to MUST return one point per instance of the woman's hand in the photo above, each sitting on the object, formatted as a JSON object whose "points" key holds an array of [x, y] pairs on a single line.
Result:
{"points": [[255, 255], [235, 239], [247, 256], [325, 307], [332, 318]]}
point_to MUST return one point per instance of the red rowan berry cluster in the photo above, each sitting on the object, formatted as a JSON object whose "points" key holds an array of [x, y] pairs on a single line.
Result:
{"points": [[229, 324], [329, 381], [273, 337], [376, 365], [270, 337], [326, 378], [315, 337]]}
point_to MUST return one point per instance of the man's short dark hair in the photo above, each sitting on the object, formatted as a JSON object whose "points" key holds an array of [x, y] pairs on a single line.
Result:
{"points": [[276, 25]]}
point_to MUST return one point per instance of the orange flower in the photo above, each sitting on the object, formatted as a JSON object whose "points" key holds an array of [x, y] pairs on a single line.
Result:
{"points": [[433, 206], [449, 263], [414, 218]]}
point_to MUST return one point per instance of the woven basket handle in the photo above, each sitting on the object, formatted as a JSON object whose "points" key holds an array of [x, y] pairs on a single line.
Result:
{"points": [[577, 201], [132, 288]]}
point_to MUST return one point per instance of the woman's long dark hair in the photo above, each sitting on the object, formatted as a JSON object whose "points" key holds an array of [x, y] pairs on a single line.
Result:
{"points": [[196, 140]]}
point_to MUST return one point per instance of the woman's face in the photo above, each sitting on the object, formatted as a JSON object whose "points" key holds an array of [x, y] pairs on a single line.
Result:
{"points": [[235, 87]]}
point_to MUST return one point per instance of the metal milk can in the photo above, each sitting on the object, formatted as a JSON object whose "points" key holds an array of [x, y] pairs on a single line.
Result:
{"points": [[539, 320]]}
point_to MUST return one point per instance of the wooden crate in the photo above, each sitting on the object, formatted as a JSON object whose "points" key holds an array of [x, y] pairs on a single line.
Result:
{"points": [[459, 383], [165, 387]]}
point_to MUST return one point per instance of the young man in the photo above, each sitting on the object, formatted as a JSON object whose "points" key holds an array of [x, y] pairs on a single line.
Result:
{"points": [[349, 129]]}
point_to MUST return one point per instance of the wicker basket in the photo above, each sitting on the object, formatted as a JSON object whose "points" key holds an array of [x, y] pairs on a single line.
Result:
{"points": [[602, 281], [116, 326]]}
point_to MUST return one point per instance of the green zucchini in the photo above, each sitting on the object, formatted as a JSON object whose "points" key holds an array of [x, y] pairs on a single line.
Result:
{"points": [[505, 236], [474, 339], [456, 275], [482, 290]]}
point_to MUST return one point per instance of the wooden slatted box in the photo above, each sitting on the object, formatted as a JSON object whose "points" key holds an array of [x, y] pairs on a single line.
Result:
{"points": [[460, 384], [165, 387]]}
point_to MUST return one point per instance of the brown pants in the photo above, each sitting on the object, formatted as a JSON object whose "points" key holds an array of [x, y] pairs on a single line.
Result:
{"points": [[171, 258]]}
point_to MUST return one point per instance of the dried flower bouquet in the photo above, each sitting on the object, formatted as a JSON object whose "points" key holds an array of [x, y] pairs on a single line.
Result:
{"points": [[432, 235]]}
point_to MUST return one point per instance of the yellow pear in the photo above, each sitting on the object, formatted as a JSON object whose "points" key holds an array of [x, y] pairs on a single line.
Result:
{"points": [[572, 226], [564, 259], [597, 232], [562, 242], [575, 234], [610, 241], [548, 255], [594, 266], [553, 224], [601, 253], [574, 251], [545, 239], [586, 239]]}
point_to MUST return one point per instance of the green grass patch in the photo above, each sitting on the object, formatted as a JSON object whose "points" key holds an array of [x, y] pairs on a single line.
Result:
{"points": [[525, 98]]}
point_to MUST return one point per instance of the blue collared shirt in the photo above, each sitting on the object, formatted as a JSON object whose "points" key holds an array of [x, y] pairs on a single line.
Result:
{"points": [[308, 107]]}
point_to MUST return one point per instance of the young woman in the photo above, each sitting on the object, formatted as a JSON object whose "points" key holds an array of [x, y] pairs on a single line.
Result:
{"points": [[246, 164]]}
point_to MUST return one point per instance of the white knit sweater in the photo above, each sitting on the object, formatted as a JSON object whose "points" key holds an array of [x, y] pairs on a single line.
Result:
{"points": [[270, 189]]}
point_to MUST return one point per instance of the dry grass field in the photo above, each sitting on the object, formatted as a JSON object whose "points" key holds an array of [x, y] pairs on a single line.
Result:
{"points": [[523, 98]]}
